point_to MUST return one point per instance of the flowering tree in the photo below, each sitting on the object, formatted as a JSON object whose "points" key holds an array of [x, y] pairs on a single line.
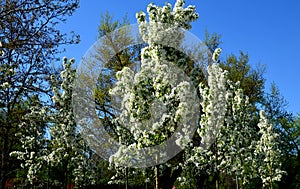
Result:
{"points": [[267, 153], [67, 149], [64, 151], [225, 148], [33, 142], [226, 124], [143, 121]]}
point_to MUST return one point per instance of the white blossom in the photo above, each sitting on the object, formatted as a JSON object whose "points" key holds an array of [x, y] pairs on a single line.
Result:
{"points": [[216, 54], [267, 153]]}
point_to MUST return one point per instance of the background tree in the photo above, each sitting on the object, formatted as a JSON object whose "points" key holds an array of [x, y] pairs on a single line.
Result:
{"points": [[33, 143], [287, 126], [267, 153], [291, 160], [68, 152], [30, 41], [123, 55], [251, 80], [64, 157]]}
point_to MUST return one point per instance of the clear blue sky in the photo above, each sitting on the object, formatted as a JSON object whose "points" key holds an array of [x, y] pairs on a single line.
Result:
{"points": [[268, 30]]}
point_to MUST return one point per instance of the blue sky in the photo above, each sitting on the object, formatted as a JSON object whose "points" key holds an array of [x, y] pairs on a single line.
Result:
{"points": [[268, 30]]}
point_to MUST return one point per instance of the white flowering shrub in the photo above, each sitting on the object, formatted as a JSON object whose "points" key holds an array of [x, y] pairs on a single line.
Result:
{"points": [[32, 130], [267, 153], [65, 149], [229, 143], [68, 149]]}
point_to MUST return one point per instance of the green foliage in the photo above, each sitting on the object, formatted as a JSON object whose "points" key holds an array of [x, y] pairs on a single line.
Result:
{"points": [[251, 80], [212, 41]]}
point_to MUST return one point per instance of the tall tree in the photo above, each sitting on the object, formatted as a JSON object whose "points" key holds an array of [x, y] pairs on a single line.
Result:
{"points": [[156, 82], [160, 14], [267, 153], [64, 154], [287, 126], [30, 43], [68, 152], [227, 138]]}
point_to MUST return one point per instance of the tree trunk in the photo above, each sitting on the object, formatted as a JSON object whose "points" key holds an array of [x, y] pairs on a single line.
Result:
{"points": [[4, 163], [126, 173], [167, 178], [200, 180], [217, 183], [167, 181], [156, 177]]}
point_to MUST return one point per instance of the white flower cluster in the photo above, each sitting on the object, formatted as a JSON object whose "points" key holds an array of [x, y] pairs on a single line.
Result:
{"points": [[216, 54], [154, 103], [164, 24], [5, 85], [213, 104], [227, 135], [1, 50], [180, 16]]}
